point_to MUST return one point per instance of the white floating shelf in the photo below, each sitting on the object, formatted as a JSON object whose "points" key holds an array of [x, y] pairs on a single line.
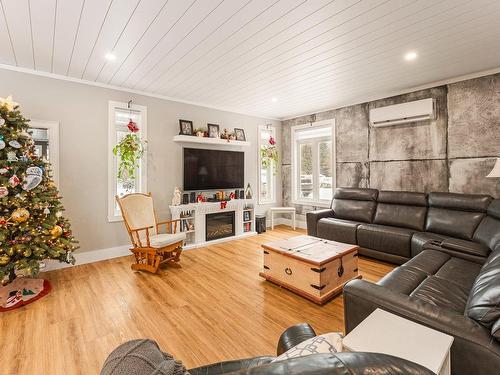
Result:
{"points": [[209, 141]]}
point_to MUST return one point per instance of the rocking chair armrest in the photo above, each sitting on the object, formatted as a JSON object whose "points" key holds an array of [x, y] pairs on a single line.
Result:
{"points": [[137, 240], [168, 223], [139, 229]]}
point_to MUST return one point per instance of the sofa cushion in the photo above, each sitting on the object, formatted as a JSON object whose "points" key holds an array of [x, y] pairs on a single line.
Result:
{"points": [[412, 217], [488, 231], [456, 215], [461, 224], [428, 261], [402, 197], [483, 304], [384, 238], [338, 230], [401, 209], [459, 271], [354, 210], [442, 293], [403, 279], [358, 194], [495, 330], [355, 204], [460, 202]]}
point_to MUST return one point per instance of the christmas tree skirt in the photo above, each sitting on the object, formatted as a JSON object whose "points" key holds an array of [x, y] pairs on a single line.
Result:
{"points": [[22, 291]]}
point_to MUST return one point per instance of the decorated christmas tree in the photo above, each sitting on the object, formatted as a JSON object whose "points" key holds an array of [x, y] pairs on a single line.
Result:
{"points": [[32, 227]]}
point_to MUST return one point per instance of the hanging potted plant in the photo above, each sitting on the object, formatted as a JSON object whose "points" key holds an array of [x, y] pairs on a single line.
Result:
{"points": [[130, 150], [269, 154]]}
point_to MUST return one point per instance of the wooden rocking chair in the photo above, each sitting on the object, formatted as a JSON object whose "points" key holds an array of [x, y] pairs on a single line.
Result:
{"points": [[150, 248]]}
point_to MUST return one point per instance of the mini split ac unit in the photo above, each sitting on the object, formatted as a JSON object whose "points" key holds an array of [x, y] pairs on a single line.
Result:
{"points": [[419, 110]]}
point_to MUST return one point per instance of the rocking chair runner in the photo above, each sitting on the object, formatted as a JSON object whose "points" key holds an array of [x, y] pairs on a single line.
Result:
{"points": [[150, 248]]}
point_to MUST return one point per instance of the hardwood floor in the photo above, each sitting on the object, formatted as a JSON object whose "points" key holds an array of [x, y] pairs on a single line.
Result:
{"points": [[213, 306]]}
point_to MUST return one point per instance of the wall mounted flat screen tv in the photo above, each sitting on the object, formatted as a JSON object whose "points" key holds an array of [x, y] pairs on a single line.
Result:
{"points": [[213, 169]]}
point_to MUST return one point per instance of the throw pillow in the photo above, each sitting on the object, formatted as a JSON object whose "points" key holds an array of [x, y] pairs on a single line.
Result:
{"points": [[326, 343]]}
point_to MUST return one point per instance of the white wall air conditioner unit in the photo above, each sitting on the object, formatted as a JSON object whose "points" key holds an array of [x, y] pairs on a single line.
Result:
{"points": [[419, 110]]}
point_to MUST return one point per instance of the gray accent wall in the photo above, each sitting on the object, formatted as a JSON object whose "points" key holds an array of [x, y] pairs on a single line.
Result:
{"points": [[453, 152]]}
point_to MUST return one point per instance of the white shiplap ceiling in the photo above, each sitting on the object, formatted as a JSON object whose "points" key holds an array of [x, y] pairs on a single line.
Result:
{"points": [[308, 55]]}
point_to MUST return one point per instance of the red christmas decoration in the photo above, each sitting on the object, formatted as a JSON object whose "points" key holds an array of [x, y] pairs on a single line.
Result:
{"points": [[272, 141], [132, 126], [223, 205]]}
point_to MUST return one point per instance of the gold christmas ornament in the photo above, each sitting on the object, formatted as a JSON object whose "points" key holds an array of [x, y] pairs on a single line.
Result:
{"points": [[56, 231], [8, 103], [20, 215], [4, 260]]}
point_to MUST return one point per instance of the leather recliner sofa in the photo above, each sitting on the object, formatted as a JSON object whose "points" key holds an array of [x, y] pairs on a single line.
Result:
{"points": [[137, 362], [394, 226], [451, 280]]}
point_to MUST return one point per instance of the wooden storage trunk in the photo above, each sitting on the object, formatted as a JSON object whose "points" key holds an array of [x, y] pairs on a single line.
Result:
{"points": [[311, 267]]}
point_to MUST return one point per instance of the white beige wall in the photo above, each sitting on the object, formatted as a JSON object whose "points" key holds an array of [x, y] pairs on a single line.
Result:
{"points": [[82, 111]]}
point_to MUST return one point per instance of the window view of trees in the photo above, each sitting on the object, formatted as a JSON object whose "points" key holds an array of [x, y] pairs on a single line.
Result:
{"points": [[314, 168], [306, 170], [325, 170]]}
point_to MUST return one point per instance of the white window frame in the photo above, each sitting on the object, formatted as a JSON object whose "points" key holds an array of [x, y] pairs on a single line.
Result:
{"points": [[316, 202], [112, 178], [53, 129], [272, 167]]}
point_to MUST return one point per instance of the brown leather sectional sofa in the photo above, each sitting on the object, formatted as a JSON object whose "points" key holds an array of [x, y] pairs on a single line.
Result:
{"points": [[450, 280]]}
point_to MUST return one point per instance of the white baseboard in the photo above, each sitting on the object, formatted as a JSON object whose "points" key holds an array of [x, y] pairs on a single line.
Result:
{"points": [[120, 251], [283, 221], [225, 239], [89, 257]]}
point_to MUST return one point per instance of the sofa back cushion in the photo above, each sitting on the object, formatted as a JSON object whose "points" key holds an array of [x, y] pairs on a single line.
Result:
{"points": [[456, 215], [355, 204], [488, 231], [483, 304], [401, 209]]}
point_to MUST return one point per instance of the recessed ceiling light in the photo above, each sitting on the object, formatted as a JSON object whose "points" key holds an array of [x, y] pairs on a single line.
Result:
{"points": [[274, 100], [412, 55], [109, 56]]}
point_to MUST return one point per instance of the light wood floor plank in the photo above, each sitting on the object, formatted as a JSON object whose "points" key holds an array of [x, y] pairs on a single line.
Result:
{"points": [[212, 306]]}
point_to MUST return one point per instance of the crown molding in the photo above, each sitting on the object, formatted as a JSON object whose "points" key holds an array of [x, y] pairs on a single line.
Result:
{"points": [[124, 89]]}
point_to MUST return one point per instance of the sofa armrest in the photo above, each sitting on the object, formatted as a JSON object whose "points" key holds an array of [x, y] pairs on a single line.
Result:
{"points": [[313, 217], [473, 344], [227, 367], [294, 335]]}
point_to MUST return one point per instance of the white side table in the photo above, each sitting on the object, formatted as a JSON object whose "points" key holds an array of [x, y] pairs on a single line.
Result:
{"points": [[282, 210], [383, 332]]}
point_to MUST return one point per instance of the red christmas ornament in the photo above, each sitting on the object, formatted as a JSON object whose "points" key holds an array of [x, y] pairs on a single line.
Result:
{"points": [[132, 126], [223, 205], [272, 141]]}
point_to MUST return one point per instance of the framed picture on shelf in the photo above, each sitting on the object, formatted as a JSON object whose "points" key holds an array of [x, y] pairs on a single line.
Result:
{"points": [[246, 215], [213, 130], [240, 134], [186, 127]]}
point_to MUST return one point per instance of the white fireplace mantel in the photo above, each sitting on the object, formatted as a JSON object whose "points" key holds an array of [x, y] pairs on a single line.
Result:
{"points": [[200, 210]]}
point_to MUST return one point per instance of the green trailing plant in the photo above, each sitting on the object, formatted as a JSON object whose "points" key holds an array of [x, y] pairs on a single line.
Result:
{"points": [[130, 151], [269, 154]]}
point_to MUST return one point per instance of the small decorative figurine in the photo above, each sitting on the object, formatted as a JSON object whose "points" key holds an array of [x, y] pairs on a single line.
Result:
{"points": [[176, 200], [248, 192]]}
